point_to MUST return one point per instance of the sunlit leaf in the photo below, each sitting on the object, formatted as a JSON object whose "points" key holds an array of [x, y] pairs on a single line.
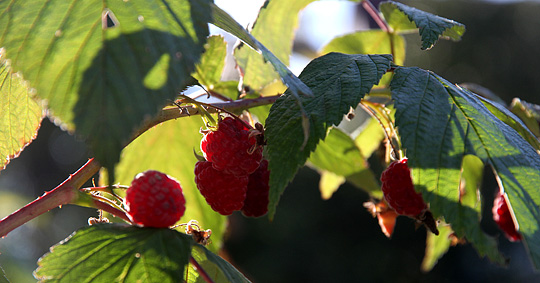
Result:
{"points": [[103, 67], [216, 267], [20, 114]]}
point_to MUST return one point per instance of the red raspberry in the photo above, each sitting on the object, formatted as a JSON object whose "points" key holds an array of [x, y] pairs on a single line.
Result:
{"points": [[398, 189], [503, 218], [154, 200], [256, 203], [224, 192], [230, 149]]}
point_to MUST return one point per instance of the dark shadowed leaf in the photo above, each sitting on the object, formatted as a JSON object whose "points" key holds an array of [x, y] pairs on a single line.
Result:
{"points": [[402, 18], [439, 124], [339, 82]]}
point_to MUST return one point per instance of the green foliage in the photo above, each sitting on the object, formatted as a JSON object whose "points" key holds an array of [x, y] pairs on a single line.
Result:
{"points": [[103, 80], [402, 18], [436, 246], [111, 252], [274, 28], [338, 82], [169, 148], [439, 124], [20, 114], [339, 154], [217, 268], [223, 20]]}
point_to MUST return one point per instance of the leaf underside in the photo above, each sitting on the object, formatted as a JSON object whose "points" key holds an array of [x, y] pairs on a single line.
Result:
{"points": [[439, 124], [403, 18], [338, 82], [111, 252], [216, 267]]}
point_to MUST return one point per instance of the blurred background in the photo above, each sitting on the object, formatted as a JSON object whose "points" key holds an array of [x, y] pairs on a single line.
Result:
{"points": [[312, 240]]}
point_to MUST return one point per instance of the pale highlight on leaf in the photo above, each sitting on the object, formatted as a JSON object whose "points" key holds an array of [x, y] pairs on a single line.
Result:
{"points": [[20, 113], [275, 27], [329, 184]]}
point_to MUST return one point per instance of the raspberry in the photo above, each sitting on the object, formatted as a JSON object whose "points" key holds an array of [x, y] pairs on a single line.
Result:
{"points": [[398, 189], [503, 218], [231, 149], [256, 203], [224, 192], [154, 200]]}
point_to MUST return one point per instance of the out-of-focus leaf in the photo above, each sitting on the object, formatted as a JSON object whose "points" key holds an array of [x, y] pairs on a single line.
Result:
{"points": [[224, 21], [274, 28], [402, 18], [339, 82], [111, 252], [529, 116], [208, 70], [370, 138], [20, 114], [436, 246], [439, 124], [103, 67], [216, 267], [168, 148], [329, 183]]}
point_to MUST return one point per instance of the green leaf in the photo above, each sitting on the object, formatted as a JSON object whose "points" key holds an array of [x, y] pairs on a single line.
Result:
{"points": [[439, 123], [103, 77], [339, 154], [224, 21], [208, 70], [329, 183], [168, 148], [20, 114], [529, 116], [436, 246], [370, 138], [216, 267], [3, 278], [370, 42], [119, 253], [401, 17], [339, 82], [274, 28]]}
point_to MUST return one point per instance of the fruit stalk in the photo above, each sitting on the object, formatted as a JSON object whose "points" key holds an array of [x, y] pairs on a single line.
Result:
{"points": [[64, 193]]}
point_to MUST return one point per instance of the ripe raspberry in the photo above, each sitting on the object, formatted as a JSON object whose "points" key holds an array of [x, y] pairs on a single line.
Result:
{"points": [[503, 218], [154, 200], [229, 148], [398, 189], [224, 192], [256, 203]]}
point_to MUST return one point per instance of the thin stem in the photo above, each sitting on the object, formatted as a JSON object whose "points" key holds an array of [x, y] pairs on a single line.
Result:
{"points": [[200, 270], [110, 209], [175, 113], [64, 193], [375, 15]]}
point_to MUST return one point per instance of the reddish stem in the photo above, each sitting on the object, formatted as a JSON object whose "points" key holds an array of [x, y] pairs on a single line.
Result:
{"points": [[64, 193], [374, 13], [200, 270], [112, 210]]}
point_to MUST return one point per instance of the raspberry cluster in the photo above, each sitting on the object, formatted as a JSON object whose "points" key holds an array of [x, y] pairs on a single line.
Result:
{"points": [[154, 200], [503, 218], [234, 176]]}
